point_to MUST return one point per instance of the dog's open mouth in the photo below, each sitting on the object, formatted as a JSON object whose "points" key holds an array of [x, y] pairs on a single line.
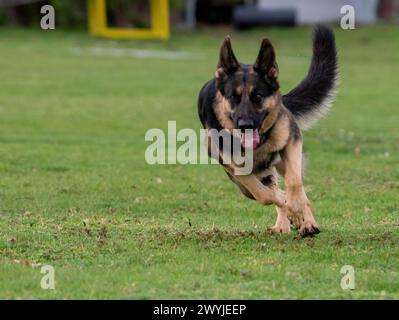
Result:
{"points": [[250, 139]]}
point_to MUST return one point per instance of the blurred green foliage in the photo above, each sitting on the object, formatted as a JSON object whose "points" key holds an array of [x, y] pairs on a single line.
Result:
{"points": [[70, 13], [74, 13]]}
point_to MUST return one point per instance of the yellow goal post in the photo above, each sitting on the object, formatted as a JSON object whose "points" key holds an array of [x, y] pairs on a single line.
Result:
{"points": [[98, 26]]}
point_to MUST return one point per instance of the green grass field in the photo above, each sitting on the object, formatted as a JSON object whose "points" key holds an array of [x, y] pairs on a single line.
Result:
{"points": [[77, 194]]}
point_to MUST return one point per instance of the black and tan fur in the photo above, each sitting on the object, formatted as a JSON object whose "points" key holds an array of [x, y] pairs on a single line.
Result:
{"points": [[244, 96]]}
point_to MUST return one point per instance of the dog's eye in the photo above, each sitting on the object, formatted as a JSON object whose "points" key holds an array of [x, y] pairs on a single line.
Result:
{"points": [[234, 98], [257, 98]]}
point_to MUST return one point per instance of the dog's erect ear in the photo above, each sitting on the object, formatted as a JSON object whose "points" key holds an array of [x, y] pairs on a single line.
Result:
{"points": [[266, 61], [227, 60]]}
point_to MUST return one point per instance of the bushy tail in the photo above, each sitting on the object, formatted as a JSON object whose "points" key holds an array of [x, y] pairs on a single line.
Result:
{"points": [[312, 98]]}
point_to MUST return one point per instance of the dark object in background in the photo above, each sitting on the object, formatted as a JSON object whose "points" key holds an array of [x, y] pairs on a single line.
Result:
{"points": [[247, 17], [214, 15], [216, 12]]}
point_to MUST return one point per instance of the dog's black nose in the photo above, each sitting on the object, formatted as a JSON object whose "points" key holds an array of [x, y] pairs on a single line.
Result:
{"points": [[245, 124]]}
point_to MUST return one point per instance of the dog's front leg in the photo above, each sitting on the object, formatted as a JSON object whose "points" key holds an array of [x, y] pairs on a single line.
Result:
{"points": [[263, 194], [266, 194], [299, 208]]}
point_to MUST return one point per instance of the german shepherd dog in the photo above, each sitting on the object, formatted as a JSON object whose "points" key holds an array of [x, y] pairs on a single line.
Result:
{"points": [[243, 96]]}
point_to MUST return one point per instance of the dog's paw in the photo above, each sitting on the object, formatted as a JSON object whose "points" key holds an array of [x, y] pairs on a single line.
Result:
{"points": [[296, 213], [296, 209], [281, 227], [295, 218], [309, 229], [297, 206]]}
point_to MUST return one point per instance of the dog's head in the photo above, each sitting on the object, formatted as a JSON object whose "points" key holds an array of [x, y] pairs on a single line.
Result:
{"points": [[249, 94]]}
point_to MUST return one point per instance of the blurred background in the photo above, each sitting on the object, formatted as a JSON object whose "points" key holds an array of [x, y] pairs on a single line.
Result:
{"points": [[192, 13]]}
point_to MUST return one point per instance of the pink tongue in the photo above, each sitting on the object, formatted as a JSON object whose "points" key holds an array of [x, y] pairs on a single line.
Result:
{"points": [[250, 139]]}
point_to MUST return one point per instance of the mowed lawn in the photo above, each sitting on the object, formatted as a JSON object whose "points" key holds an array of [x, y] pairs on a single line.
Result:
{"points": [[77, 194]]}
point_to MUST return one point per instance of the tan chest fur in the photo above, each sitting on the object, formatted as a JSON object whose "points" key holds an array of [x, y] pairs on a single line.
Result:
{"points": [[276, 140]]}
